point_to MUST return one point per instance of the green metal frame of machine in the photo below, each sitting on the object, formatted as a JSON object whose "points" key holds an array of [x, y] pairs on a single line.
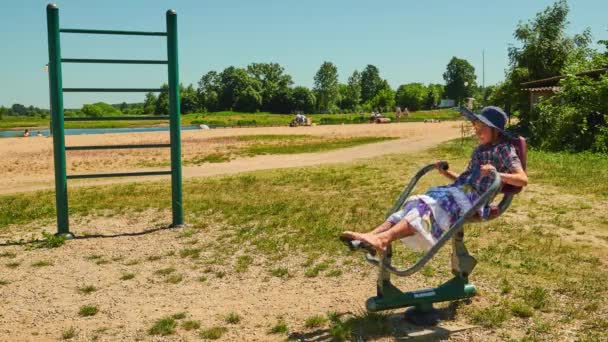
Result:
{"points": [[421, 301], [57, 117]]}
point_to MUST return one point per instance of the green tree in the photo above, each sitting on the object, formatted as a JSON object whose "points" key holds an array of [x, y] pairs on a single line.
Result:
{"points": [[411, 96], [326, 86], [239, 90], [459, 79], [18, 109], [273, 82], [350, 94], [149, 103], [545, 50], [545, 46], [429, 102], [438, 91], [209, 89], [3, 112], [384, 100], [302, 99], [574, 119], [371, 83], [99, 109], [161, 107], [188, 99]]}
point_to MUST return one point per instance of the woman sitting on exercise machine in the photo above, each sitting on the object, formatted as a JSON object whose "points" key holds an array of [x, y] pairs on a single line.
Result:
{"points": [[424, 218]]}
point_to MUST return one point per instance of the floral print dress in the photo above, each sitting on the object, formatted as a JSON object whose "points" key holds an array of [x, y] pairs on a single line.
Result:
{"points": [[434, 212]]}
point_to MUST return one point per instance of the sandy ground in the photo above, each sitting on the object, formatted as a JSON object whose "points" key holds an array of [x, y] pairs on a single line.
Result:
{"points": [[40, 303], [28, 162]]}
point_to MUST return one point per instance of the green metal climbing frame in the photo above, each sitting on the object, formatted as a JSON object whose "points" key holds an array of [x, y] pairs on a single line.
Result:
{"points": [[56, 94]]}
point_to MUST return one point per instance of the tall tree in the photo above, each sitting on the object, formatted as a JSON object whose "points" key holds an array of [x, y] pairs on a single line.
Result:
{"points": [[208, 91], [371, 83], [18, 109], [149, 103], [161, 107], [326, 86], [188, 99], [273, 81], [545, 50], [302, 99], [545, 46], [352, 96], [239, 91], [411, 96], [459, 79]]}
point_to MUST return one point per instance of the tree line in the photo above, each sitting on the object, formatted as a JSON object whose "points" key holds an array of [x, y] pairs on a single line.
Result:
{"points": [[267, 87]]}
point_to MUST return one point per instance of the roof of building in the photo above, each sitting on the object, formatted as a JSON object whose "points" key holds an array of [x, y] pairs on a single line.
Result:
{"points": [[553, 89], [554, 81]]}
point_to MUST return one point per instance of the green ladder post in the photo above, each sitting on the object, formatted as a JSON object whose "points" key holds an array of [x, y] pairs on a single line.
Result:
{"points": [[174, 121], [56, 90], [56, 93]]}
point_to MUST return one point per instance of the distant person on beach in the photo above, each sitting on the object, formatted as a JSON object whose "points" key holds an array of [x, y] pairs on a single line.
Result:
{"points": [[26, 133], [38, 134]]}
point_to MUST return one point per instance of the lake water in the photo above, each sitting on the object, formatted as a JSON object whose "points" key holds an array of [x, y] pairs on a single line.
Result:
{"points": [[78, 131]]}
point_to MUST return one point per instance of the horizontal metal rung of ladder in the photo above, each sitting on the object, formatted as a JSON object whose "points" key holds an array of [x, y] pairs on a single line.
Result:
{"points": [[114, 147], [125, 33], [114, 90], [118, 118], [113, 61], [123, 174]]}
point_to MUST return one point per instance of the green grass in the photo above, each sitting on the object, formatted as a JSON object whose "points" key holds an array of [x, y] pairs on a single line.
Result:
{"points": [[48, 241], [314, 271], [87, 289], [490, 317], [87, 311], [242, 263], [276, 144], [174, 279], [193, 253], [69, 333], [165, 271], [537, 298], [13, 264], [9, 255], [280, 272], [225, 119], [308, 147], [41, 263], [164, 326], [315, 321], [521, 309], [127, 276], [358, 327], [179, 315], [191, 325], [232, 318], [213, 333], [279, 328]]}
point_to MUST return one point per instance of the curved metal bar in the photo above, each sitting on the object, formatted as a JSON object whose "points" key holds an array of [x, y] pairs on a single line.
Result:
{"points": [[457, 226], [408, 189]]}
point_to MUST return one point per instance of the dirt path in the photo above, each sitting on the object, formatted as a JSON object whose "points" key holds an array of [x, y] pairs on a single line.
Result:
{"points": [[28, 162]]}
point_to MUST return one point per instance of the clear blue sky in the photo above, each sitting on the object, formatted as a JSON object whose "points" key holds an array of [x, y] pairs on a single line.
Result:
{"points": [[409, 41]]}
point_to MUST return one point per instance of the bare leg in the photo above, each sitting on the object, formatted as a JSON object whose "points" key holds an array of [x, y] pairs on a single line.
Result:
{"points": [[382, 239], [383, 227]]}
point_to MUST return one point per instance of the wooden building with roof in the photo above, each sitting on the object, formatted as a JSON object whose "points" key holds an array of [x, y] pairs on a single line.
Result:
{"points": [[547, 87]]}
